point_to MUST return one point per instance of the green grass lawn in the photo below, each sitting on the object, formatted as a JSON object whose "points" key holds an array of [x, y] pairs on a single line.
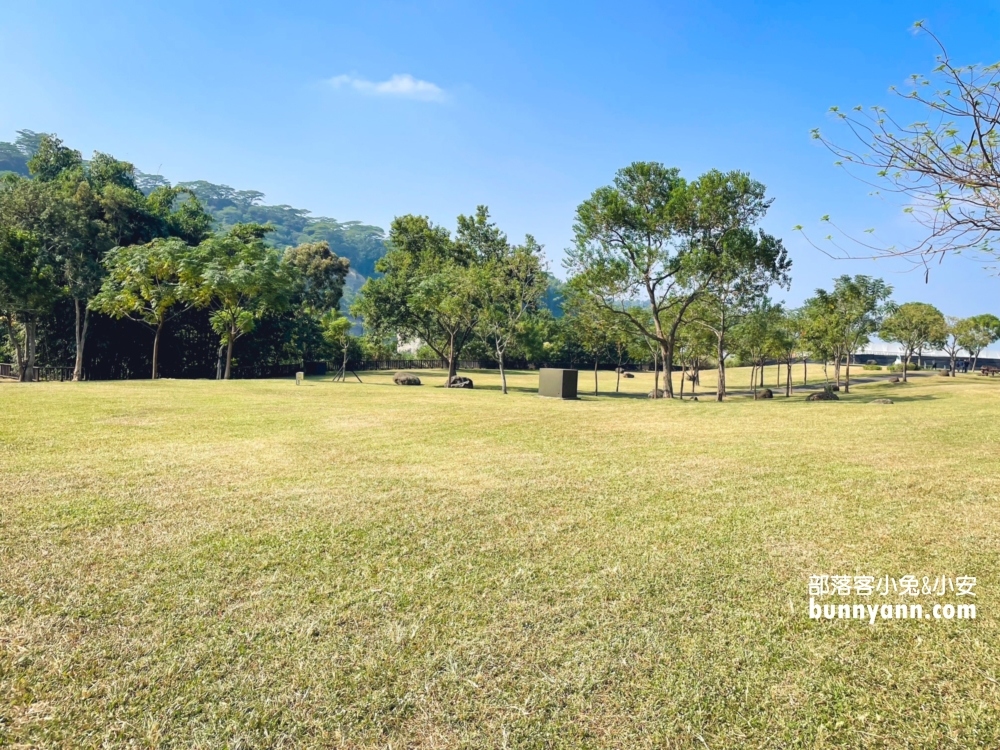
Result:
{"points": [[255, 564]]}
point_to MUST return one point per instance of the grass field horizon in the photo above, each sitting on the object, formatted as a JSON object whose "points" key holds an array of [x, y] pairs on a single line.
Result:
{"points": [[259, 564]]}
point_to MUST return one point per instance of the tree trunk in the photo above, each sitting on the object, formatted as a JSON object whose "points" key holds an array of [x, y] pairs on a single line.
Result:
{"points": [[229, 356], [952, 367], [452, 363], [156, 351], [905, 360], [503, 372], [665, 355], [81, 339], [788, 378], [847, 375], [753, 378], [595, 376], [28, 371], [805, 371], [656, 376], [684, 372], [975, 358], [720, 388], [343, 364], [15, 343]]}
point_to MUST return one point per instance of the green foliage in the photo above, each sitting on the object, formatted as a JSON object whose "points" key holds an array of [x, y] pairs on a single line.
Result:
{"points": [[241, 279], [146, 282], [318, 276], [429, 284], [359, 243], [976, 333], [14, 156], [653, 237], [871, 367], [915, 325]]}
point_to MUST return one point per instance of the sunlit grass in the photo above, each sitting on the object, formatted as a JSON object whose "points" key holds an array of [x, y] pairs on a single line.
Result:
{"points": [[256, 564]]}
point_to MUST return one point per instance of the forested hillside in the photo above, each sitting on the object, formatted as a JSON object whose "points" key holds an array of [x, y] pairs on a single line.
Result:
{"points": [[361, 244]]}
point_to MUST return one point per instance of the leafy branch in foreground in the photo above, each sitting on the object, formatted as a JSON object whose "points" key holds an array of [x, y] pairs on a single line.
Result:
{"points": [[944, 165]]}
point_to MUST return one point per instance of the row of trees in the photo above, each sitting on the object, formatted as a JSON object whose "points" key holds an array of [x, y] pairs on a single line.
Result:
{"points": [[661, 269], [86, 232]]}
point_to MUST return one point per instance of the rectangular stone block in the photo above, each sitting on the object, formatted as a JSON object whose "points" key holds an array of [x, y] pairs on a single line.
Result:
{"points": [[557, 383]]}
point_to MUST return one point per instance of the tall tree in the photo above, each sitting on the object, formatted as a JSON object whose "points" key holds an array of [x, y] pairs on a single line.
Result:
{"points": [[625, 250], [317, 275], [27, 290], [913, 326], [654, 238], [952, 341], [510, 285], [150, 284], [240, 280], [427, 288], [737, 273], [849, 316], [976, 333]]}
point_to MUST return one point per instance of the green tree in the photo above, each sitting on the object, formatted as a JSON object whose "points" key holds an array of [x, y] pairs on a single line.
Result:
{"points": [[976, 333], [591, 325], [755, 336], [625, 250], [913, 326], [787, 342], [149, 284], [428, 285], [317, 276], [736, 269], [27, 291], [241, 279], [653, 237], [337, 332], [510, 285], [848, 317]]}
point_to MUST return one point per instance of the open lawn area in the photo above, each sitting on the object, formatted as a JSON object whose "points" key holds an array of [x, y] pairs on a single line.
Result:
{"points": [[252, 564]]}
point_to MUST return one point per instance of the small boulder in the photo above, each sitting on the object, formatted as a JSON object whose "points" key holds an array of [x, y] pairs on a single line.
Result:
{"points": [[655, 394], [882, 401], [405, 378], [893, 380], [766, 393], [627, 375], [945, 373], [694, 398], [824, 395], [460, 381]]}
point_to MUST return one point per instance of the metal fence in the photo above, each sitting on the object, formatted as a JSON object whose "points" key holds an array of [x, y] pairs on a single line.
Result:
{"points": [[412, 364], [36, 374]]}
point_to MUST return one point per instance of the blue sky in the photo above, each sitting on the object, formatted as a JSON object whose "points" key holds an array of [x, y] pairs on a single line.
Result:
{"points": [[370, 110]]}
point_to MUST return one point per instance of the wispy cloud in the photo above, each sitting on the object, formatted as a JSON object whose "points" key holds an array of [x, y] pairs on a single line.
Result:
{"points": [[402, 86]]}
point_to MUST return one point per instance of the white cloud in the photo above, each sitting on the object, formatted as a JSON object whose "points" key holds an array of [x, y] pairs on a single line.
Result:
{"points": [[403, 86]]}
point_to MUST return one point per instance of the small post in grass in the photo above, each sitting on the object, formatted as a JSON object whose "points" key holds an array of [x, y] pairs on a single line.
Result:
{"points": [[299, 377]]}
